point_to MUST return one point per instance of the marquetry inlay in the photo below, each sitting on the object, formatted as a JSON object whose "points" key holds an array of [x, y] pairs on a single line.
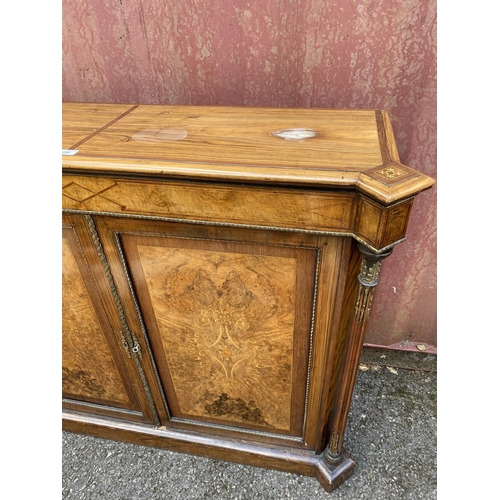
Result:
{"points": [[391, 172]]}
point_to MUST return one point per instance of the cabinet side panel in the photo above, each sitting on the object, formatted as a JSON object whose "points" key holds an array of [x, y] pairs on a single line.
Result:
{"points": [[341, 343], [86, 354]]}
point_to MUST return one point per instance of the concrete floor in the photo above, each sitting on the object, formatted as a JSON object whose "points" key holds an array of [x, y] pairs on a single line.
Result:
{"points": [[391, 434]]}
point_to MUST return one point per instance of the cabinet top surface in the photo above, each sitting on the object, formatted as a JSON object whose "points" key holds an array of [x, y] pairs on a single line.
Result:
{"points": [[316, 147]]}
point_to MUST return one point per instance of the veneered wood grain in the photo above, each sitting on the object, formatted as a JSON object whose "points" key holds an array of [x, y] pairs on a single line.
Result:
{"points": [[261, 206], [334, 255], [226, 321], [233, 334], [386, 136], [85, 351], [351, 148], [235, 135], [130, 231], [369, 219], [245, 451], [82, 120], [396, 222], [381, 226], [77, 230], [338, 348], [211, 172]]}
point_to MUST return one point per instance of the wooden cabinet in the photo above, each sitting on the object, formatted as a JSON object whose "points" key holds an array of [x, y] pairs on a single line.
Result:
{"points": [[218, 271]]}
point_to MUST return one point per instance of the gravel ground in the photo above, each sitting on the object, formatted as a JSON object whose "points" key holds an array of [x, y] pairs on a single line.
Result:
{"points": [[391, 434]]}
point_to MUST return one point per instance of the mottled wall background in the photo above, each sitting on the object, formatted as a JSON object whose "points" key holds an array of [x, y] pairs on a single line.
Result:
{"points": [[295, 53]]}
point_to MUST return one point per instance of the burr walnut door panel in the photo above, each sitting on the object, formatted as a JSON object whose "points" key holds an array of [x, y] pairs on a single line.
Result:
{"points": [[96, 377], [228, 314]]}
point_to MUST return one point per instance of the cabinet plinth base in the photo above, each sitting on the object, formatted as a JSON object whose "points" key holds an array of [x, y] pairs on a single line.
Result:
{"points": [[284, 459], [332, 475]]}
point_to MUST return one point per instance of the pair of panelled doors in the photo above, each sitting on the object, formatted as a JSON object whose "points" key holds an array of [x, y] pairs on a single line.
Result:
{"points": [[198, 327]]}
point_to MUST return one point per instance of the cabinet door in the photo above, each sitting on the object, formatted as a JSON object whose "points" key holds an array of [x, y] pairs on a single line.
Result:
{"points": [[228, 315], [99, 372]]}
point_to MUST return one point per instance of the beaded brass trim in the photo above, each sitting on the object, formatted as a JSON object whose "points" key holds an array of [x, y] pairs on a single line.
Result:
{"points": [[243, 226]]}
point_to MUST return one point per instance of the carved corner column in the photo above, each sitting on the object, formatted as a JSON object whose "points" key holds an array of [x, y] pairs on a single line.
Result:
{"points": [[335, 465]]}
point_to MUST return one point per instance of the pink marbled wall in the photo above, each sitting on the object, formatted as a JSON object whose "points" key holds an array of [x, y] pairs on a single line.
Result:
{"points": [[307, 53]]}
